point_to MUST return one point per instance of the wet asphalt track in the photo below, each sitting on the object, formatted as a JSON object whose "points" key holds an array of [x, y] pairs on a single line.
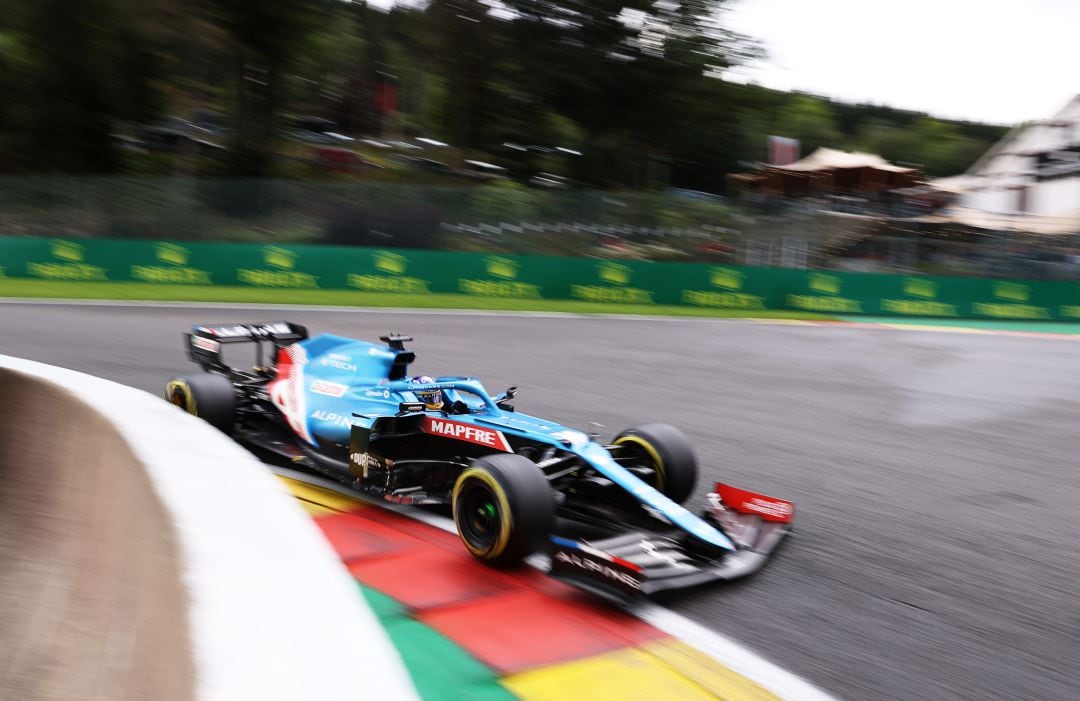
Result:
{"points": [[937, 475]]}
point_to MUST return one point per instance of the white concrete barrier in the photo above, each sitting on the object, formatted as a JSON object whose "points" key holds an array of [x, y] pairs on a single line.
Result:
{"points": [[144, 555]]}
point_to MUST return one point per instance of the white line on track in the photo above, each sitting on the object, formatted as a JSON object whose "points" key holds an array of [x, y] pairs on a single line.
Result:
{"points": [[724, 650], [731, 654]]}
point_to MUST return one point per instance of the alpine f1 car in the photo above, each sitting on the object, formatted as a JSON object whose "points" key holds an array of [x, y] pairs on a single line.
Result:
{"points": [[609, 515]]}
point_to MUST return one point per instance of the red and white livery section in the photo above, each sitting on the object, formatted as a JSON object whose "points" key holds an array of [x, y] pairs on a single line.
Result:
{"points": [[470, 433], [744, 502], [287, 391]]}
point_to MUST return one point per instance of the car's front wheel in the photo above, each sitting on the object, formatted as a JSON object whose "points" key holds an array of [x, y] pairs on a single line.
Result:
{"points": [[668, 452], [206, 395], [503, 508]]}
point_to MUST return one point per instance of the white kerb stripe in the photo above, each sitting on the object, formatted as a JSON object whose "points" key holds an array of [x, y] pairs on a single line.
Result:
{"points": [[733, 655], [273, 613]]}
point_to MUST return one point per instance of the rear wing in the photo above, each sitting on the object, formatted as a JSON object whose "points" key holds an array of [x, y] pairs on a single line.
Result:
{"points": [[204, 342]]}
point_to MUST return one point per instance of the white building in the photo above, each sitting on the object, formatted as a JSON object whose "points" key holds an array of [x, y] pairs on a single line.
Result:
{"points": [[1034, 170]]}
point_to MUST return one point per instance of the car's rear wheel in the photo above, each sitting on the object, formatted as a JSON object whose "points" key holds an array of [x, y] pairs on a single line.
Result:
{"points": [[667, 451], [503, 508], [210, 397]]}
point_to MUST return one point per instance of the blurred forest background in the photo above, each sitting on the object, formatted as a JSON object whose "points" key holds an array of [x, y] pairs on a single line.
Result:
{"points": [[612, 94]]}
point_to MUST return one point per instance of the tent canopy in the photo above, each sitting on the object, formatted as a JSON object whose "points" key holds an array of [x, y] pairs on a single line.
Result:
{"points": [[832, 159]]}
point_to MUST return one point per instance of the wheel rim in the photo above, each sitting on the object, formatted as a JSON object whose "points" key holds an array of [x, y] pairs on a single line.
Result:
{"points": [[178, 396], [480, 521], [643, 453]]}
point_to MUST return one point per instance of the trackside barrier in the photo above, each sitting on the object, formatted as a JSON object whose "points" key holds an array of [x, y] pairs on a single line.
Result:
{"points": [[143, 555], [404, 271]]}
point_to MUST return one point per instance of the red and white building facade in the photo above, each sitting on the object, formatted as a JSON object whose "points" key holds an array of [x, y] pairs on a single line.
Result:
{"points": [[1034, 170]]}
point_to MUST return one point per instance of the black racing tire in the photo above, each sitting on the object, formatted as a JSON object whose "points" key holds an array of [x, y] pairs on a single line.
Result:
{"points": [[668, 451], [504, 508], [209, 396]]}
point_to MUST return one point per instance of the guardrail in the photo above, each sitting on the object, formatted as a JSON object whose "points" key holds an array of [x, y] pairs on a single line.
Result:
{"points": [[146, 556], [535, 277]]}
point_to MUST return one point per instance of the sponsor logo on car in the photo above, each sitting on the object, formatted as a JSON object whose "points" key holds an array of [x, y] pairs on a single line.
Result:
{"points": [[466, 432], [777, 509], [662, 555], [606, 571], [380, 353], [330, 389], [331, 417], [206, 344], [432, 385], [366, 462], [768, 508], [334, 361], [381, 393], [241, 330]]}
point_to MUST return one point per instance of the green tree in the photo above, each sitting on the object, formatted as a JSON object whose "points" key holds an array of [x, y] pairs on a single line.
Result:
{"points": [[616, 68], [268, 37], [810, 120], [504, 201], [630, 83], [73, 71], [466, 38], [10, 57], [892, 142], [943, 150]]}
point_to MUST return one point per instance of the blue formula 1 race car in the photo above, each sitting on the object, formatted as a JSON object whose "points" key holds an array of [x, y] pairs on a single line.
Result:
{"points": [[609, 515]]}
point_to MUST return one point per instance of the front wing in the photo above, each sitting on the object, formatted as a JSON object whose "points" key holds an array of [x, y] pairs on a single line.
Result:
{"points": [[628, 565]]}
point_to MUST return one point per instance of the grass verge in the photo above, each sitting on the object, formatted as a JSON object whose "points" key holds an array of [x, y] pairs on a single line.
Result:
{"points": [[135, 291]]}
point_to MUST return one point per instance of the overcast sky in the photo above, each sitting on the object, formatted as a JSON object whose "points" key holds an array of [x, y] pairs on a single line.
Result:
{"points": [[1000, 61]]}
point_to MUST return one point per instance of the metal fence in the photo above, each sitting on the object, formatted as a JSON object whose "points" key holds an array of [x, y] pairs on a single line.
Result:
{"points": [[512, 218], [291, 210]]}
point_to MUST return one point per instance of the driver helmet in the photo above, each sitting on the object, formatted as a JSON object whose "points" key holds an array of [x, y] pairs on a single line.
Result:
{"points": [[432, 398]]}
